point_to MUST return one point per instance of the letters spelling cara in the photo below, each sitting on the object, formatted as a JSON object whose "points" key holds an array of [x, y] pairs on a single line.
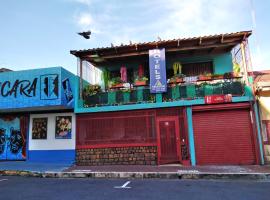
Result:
{"points": [[23, 87]]}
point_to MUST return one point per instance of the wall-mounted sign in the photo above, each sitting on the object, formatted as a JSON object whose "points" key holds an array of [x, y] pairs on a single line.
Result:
{"points": [[39, 128], [157, 68], [212, 99], [63, 127], [19, 87]]}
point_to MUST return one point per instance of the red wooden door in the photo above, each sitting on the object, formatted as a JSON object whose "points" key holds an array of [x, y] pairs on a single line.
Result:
{"points": [[168, 140]]}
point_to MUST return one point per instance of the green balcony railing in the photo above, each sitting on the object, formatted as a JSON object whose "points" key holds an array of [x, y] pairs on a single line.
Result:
{"points": [[174, 93]]}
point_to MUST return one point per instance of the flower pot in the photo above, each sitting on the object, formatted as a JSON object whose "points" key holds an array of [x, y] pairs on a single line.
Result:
{"points": [[204, 78], [119, 85], [218, 77], [177, 80], [140, 83], [236, 75]]}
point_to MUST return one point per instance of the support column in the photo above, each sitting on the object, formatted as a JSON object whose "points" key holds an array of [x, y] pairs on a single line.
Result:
{"points": [[259, 135], [191, 137]]}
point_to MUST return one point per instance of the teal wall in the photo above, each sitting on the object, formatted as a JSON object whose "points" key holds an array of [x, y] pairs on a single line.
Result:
{"points": [[223, 63]]}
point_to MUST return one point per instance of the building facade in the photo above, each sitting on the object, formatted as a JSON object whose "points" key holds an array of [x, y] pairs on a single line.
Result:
{"points": [[37, 122], [186, 101]]}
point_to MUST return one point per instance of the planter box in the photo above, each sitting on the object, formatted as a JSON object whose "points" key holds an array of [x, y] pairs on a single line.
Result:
{"points": [[236, 75], [120, 85], [140, 83], [218, 77], [177, 80], [205, 78]]}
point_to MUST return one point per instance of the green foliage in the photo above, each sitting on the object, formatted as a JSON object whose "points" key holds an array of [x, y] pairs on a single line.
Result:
{"points": [[106, 77], [141, 78], [236, 67], [115, 81], [90, 89]]}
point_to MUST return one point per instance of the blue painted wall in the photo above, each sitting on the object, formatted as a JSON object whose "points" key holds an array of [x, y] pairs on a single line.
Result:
{"points": [[36, 88], [52, 156]]}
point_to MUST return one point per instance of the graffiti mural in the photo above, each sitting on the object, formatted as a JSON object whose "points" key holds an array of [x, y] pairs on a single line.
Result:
{"points": [[24, 88], [2, 141], [67, 90], [12, 141], [49, 86]]}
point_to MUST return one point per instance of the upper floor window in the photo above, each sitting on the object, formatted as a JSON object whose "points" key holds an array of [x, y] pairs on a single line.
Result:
{"points": [[195, 69]]}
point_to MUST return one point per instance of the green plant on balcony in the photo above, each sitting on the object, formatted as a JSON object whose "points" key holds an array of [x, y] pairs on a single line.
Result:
{"points": [[141, 81], [116, 82], [90, 90], [177, 78], [106, 77]]}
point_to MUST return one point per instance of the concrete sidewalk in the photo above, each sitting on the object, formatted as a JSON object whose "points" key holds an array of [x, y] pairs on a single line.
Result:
{"points": [[136, 171], [33, 166]]}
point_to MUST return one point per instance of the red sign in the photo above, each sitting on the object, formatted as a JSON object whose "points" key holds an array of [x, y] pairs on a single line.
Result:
{"points": [[218, 99]]}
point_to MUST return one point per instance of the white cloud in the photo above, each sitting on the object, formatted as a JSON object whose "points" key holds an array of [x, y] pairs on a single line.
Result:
{"points": [[85, 2], [144, 20], [84, 20]]}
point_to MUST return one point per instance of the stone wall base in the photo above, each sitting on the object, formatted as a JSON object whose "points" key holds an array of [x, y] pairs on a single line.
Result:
{"points": [[117, 156]]}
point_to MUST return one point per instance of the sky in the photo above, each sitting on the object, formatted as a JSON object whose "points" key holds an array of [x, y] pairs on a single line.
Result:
{"points": [[41, 33]]}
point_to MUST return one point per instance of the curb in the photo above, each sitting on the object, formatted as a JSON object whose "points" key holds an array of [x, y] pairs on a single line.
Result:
{"points": [[138, 175]]}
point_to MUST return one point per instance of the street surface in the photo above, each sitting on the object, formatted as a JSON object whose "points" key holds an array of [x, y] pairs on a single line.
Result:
{"points": [[80, 189]]}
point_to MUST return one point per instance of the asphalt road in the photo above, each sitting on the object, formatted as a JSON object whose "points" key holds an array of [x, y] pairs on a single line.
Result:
{"points": [[79, 189]]}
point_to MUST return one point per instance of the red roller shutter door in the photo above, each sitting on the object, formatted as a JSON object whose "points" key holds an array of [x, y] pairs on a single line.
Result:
{"points": [[224, 137]]}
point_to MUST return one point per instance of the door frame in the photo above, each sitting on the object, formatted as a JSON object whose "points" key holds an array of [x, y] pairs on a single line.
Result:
{"points": [[177, 134]]}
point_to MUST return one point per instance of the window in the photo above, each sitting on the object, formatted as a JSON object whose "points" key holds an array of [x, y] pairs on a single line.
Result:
{"points": [[195, 69], [116, 128], [266, 131]]}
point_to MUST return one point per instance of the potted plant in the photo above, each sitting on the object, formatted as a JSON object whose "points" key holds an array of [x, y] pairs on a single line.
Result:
{"points": [[205, 77], [116, 82], [177, 78], [141, 81], [90, 90], [236, 70]]}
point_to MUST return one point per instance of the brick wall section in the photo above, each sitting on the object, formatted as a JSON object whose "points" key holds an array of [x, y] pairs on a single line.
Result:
{"points": [[117, 156]]}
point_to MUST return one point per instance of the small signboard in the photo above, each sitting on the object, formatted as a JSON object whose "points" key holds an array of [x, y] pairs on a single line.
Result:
{"points": [[212, 99], [157, 69]]}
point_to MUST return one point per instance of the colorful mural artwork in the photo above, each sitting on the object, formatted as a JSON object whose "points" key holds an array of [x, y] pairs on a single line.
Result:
{"points": [[37, 88], [49, 86], [39, 128], [63, 127], [12, 141], [67, 90]]}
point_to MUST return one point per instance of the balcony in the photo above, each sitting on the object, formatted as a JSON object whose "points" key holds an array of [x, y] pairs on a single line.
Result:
{"points": [[175, 92]]}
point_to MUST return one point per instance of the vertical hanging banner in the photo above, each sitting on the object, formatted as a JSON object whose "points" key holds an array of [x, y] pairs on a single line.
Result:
{"points": [[157, 69]]}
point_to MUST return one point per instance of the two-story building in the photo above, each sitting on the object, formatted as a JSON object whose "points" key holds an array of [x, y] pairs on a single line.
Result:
{"points": [[37, 122], [185, 101]]}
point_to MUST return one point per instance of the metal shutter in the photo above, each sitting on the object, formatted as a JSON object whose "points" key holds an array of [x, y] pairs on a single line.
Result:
{"points": [[224, 137]]}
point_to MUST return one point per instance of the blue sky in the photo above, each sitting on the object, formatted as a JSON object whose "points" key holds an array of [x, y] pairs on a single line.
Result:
{"points": [[40, 33]]}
